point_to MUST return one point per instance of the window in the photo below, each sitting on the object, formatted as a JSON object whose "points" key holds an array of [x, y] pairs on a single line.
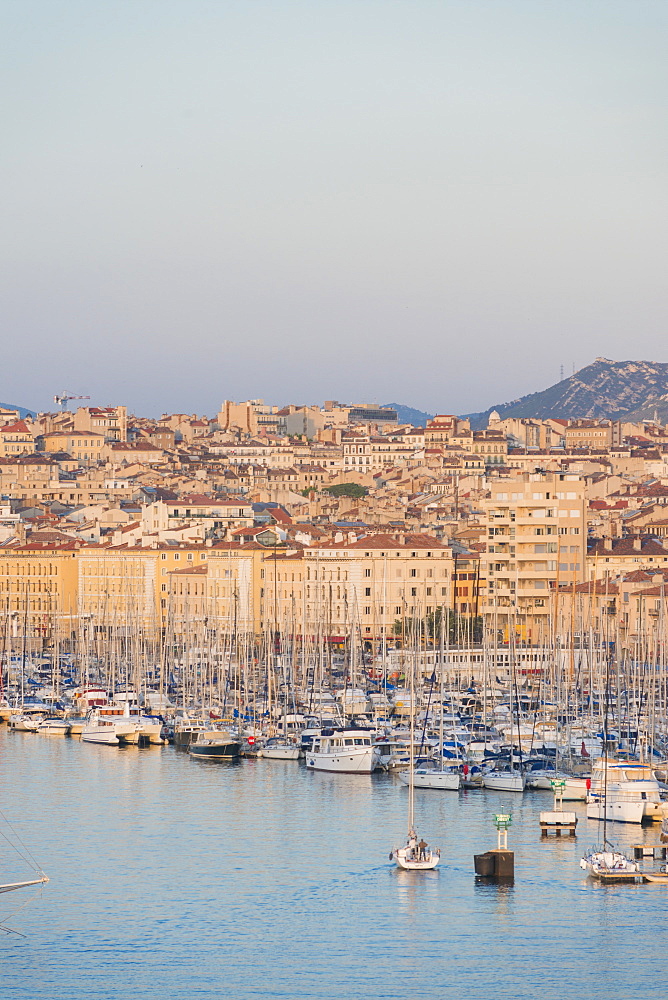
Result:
{"points": [[413, 572], [413, 591], [367, 611], [367, 572], [367, 591]]}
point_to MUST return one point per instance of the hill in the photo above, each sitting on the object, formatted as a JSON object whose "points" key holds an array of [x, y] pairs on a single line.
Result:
{"points": [[23, 413], [407, 415], [628, 389]]}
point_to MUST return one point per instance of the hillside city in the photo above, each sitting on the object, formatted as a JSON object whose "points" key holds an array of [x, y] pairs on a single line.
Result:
{"points": [[331, 520]]}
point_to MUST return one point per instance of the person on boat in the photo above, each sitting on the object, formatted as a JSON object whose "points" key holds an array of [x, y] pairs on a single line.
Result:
{"points": [[422, 850]]}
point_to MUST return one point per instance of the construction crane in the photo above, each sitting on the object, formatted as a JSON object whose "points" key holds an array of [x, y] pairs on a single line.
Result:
{"points": [[63, 399]]}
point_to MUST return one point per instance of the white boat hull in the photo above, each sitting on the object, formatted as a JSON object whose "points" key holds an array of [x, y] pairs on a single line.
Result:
{"points": [[503, 782], [349, 760], [24, 723], [444, 780], [616, 810], [53, 728], [415, 866], [280, 753], [105, 736]]}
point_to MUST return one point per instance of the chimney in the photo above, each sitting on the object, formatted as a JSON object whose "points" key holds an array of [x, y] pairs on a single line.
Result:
{"points": [[637, 543]]}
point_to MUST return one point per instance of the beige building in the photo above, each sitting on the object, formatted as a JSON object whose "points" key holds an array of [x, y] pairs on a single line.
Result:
{"points": [[374, 581], [596, 434], [536, 539], [38, 587], [85, 447], [16, 438], [109, 421]]}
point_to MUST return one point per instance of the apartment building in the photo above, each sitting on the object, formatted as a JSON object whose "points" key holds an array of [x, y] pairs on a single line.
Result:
{"points": [[86, 447], [597, 434], [38, 587], [16, 438], [109, 421], [372, 581], [536, 539]]}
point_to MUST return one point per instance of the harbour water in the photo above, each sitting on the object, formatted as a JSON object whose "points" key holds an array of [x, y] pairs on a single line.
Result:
{"points": [[176, 878]]}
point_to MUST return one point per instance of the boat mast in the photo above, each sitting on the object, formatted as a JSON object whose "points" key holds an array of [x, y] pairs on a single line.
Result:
{"points": [[411, 764]]}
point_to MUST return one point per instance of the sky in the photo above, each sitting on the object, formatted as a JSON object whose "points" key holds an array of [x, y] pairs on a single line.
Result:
{"points": [[432, 202]]}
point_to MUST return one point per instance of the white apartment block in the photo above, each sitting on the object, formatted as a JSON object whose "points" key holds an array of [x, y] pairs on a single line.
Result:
{"points": [[536, 541]]}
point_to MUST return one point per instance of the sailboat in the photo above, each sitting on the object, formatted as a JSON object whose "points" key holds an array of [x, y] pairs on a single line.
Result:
{"points": [[415, 855], [604, 863]]}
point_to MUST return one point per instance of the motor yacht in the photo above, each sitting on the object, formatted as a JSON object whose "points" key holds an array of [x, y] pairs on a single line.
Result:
{"points": [[214, 744], [343, 751], [624, 791]]}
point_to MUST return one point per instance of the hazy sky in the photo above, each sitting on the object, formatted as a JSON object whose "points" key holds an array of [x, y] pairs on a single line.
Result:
{"points": [[435, 202]]}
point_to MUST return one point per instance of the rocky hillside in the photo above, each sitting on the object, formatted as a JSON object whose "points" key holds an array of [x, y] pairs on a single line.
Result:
{"points": [[630, 389]]}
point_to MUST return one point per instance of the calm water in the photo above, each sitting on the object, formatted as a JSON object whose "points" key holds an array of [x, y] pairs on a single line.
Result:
{"points": [[183, 879]]}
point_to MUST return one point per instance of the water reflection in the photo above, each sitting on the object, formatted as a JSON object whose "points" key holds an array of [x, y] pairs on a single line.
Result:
{"points": [[414, 889], [176, 879]]}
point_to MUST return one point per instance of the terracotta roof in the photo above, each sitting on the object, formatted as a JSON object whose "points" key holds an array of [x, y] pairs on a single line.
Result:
{"points": [[626, 547]]}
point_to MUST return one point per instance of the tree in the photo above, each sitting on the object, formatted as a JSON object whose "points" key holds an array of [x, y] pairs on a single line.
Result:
{"points": [[458, 629], [353, 490]]}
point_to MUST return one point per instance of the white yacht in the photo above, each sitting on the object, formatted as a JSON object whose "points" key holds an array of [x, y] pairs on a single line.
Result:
{"points": [[625, 791], [433, 774], [503, 778], [109, 726], [23, 722], [344, 751], [54, 727], [280, 748]]}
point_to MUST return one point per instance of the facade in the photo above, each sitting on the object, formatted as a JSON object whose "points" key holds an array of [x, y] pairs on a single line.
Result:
{"points": [[86, 447], [536, 539], [109, 421], [16, 439], [38, 588]]}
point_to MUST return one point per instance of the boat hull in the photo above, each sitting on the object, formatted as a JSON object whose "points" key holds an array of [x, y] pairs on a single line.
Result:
{"points": [[617, 811], [348, 761], [280, 753], [503, 782], [220, 751], [403, 858], [449, 781], [108, 738]]}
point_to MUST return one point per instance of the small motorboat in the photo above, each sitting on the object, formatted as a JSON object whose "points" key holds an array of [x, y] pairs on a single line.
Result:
{"points": [[280, 748], [432, 774], [54, 727], [212, 744]]}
